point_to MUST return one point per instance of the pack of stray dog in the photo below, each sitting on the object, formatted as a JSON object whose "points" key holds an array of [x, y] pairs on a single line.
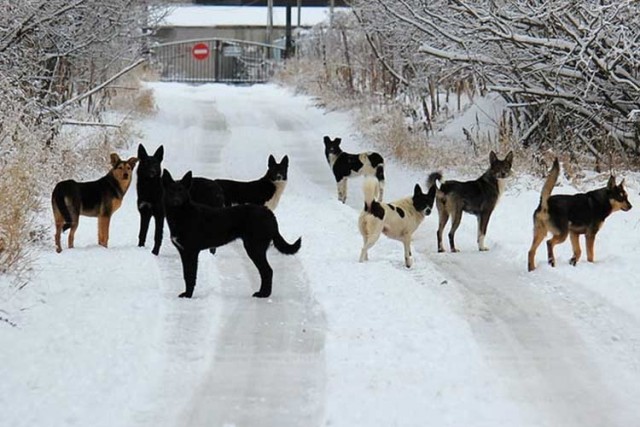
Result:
{"points": [[205, 213]]}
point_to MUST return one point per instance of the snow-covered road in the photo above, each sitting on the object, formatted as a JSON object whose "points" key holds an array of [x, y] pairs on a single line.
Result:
{"points": [[467, 339]]}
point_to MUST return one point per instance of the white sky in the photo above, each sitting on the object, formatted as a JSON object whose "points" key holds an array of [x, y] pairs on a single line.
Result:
{"points": [[207, 16]]}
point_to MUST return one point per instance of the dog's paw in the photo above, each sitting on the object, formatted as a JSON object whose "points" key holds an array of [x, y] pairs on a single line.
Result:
{"points": [[185, 295], [552, 262], [455, 250], [155, 251], [483, 249], [573, 261], [261, 294]]}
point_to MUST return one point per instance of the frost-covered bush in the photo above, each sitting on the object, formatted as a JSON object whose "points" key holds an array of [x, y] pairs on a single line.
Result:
{"points": [[57, 58]]}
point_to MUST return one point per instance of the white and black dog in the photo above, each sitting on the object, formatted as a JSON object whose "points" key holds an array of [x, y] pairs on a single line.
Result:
{"points": [[264, 191], [397, 220], [346, 165]]}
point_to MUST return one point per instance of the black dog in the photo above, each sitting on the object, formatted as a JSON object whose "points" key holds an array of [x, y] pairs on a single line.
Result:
{"points": [[264, 191], [150, 193], [345, 165], [195, 227]]}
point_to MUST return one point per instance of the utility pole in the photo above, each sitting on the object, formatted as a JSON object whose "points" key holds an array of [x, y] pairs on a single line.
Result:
{"points": [[331, 6], [269, 21]]}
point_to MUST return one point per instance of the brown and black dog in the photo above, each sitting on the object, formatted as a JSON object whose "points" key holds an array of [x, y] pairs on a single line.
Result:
{"points": [[573, 215], [478, 197], [100, 198]]}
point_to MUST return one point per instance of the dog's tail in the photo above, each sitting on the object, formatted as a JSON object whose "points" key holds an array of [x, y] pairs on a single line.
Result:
{"points": [[551, 180], [59, 202], [433, 179], [284, 246], [371, 188]]}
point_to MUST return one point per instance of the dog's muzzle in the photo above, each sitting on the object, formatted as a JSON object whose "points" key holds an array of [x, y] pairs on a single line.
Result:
{"points": [[427, 211]]}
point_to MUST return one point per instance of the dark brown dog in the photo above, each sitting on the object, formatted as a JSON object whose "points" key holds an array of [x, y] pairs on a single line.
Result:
{"points": [[573, 215], [100, 198], [478, 197]]}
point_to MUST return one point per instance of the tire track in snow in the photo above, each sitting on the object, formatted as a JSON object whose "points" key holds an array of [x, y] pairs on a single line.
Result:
{"points": [[268, 367], [544, 362]]}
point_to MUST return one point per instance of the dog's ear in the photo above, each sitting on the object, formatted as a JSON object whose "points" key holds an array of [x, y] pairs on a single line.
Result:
{"points": [[159, 154], [327, 140], [187, 179], [611, 184], [167, 178], [509, 157], [285, 161], [417, 191], [621, 184], [492, 157], [142, 153], [432, 191], [132, 161], [337, 141], [272, 161], [114, 159]]}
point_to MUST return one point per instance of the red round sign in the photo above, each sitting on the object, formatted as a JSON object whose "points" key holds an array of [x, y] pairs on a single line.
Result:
{"points": [[200, 51]]}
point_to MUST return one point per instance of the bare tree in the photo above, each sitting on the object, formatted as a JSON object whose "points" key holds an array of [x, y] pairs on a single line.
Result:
{"points": [[56, 57], [568, 69]]}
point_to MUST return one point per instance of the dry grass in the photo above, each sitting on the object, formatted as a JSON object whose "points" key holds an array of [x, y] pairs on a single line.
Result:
{"points": [[18, 203], [128, 94], [30, 169]]}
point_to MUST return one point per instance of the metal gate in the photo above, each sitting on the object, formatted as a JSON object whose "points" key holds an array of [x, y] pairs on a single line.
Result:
{"points": [[216, 60]]}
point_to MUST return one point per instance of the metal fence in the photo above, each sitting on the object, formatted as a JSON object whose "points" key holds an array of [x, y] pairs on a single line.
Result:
{"points": [[216, 60]]}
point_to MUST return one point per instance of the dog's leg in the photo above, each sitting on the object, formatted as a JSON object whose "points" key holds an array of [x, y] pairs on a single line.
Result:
{"points": [[591, 240], [58, 233], [370, 235], [380, 176], [455, 223], [72, 233], [158, 218], [189, 271], [103, 230], [443, 218], [539, 233], [408, 261], [575, 244], [483, 223], [145, 218], [342, 190], [556, 239], [258, 254]]}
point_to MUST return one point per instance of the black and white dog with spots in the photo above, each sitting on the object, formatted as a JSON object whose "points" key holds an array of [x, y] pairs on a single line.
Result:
{"points": [[346, 165], [398, 220]]}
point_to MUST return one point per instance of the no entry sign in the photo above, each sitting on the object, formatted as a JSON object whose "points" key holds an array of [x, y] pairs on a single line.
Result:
{"points": [[200, 51]]}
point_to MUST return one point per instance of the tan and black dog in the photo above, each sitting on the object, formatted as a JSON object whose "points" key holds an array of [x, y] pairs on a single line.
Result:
{"points": [[573, 215], [397, 220], [100, 198], [478, 197]]}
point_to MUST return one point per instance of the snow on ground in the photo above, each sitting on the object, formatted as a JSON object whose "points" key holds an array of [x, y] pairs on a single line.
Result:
{"points": [[467, 339]]}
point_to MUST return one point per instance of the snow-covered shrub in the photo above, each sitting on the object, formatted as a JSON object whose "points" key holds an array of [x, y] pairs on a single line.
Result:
{"points": [[569, 71], [58, 66]]}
